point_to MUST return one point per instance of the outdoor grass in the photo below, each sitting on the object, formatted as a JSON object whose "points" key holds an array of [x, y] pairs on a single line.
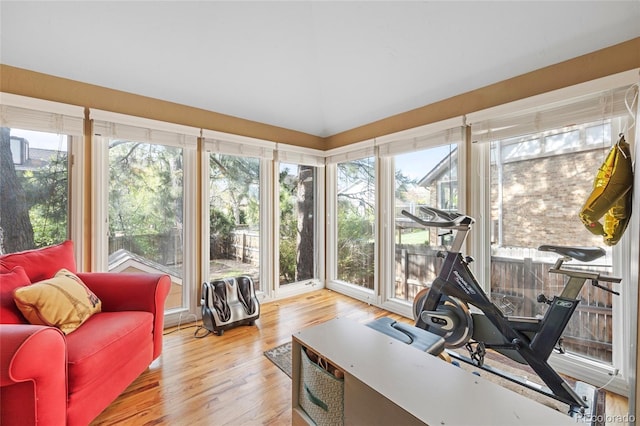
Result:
{"points": [[415, 237]]}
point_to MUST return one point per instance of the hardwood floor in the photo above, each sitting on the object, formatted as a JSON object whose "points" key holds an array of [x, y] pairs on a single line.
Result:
{"points": [[226, 380]]}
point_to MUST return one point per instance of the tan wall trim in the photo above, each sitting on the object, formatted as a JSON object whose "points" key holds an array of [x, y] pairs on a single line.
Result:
{"points": [[611, 60], [24, 82]]}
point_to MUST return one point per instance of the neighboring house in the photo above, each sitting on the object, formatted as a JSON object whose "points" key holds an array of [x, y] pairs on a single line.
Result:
{"points": [[27, 158], [125, 261], [442, 183], [529, 176]]}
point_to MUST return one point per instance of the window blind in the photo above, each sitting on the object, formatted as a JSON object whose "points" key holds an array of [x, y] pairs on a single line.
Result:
{"points": [[242, 146], [444, 137], [562, 108], [441, 132], [120, 126], [299, 155], [354, 151], [21, 112]]}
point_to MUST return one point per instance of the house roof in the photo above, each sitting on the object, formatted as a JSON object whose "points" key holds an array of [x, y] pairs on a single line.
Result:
{"points": [[123, 259], [442, 167], [317, 67]]}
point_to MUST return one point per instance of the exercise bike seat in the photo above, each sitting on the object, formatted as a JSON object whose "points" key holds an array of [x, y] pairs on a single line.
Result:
{"points": [[413, 336], [583, 254]]}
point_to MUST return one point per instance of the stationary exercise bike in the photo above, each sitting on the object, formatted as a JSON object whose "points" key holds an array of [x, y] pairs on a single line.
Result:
{"points": [[444, 309]]}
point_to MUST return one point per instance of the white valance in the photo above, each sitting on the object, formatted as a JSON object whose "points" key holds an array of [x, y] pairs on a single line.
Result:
{"points": [[242, 146], [21, 112], [443, 137], [589, 102], [351, 152], [114, 125], [300, 155]]}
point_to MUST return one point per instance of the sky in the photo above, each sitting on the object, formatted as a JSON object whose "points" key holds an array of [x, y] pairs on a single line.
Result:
{"points": [[42, 140]]}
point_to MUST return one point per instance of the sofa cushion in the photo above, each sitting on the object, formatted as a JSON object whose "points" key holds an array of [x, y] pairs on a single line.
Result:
{"points": [[43, 263], [104, 345], [9, 281], [63, 301]]}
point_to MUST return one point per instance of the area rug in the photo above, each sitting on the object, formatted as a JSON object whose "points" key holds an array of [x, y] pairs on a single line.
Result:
{"points": [[281, 357]]}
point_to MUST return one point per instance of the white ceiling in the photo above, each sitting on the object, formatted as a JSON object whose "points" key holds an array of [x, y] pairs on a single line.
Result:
{"points": [[318, 67]]}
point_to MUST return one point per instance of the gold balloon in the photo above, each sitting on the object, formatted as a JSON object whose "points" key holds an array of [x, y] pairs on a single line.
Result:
{"points": [[611, 196]]}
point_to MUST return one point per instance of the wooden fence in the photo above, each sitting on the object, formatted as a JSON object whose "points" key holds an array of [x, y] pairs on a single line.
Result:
{"points": [[515, 286], [164, 249], [241, 246]]}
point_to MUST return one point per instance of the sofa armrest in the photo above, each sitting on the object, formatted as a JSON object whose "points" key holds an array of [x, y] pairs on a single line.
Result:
{"points": [[33, 374], [132, 292]]}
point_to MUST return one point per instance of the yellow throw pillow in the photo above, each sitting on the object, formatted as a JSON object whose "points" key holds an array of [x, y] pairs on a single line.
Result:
{"points": [[63, 301]]}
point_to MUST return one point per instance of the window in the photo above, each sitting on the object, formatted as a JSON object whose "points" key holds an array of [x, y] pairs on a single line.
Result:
{"points": [[238, 240], [422, 178], [234, 217], [540, 172], [35, 189], [535, 201], [356, 192], [37, 142], [297, 240], [146, 224], [143, 206]]}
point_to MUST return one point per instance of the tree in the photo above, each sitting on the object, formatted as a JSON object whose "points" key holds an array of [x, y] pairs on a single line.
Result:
{"points": [[16, 232], [146, 198], [305, 236], [356, 220], [46, 191], [235, 185]]}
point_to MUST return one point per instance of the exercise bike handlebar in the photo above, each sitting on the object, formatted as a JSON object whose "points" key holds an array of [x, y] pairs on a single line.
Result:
{"points": [[440, 218]]}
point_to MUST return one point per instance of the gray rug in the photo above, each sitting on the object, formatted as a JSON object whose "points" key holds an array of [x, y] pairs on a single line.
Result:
{"points": [[281, 357]]}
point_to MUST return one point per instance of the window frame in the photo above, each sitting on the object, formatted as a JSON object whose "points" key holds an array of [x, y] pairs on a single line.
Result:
{"points": [[310, 157], [360, 150], [28, 113], [106, 125], [620, 377], [448, 132]]}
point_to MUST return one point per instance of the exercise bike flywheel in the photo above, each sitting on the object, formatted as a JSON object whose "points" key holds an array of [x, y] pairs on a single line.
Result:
{"points": [[451, 319]]}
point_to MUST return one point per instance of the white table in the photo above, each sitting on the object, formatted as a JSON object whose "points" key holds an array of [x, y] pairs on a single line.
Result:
{"points": [[390, 383]]}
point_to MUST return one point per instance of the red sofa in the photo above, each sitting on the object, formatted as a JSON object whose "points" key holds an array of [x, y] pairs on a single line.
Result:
{"points": [[49, 378]]}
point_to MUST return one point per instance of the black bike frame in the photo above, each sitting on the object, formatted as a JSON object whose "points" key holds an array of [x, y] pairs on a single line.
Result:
{"points": [[456, 280]]}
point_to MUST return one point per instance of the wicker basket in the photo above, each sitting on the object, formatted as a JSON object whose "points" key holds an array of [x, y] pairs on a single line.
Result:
{"points": [[321, 394]]}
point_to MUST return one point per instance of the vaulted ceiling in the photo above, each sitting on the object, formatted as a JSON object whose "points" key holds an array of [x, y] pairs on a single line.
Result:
{"points": [[318, 67]]}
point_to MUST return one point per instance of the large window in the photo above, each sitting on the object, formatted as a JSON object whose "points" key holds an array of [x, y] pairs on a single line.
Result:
{"points": [[145, 222], [535, 200], [356, 190], [297, 238], [40, 169], [234, 217], [34, 208], [422, 178], [145, 169], [539, 173]]}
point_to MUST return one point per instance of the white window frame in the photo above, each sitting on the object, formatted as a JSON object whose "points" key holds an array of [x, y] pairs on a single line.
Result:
{"points": [[442, 133], [106, 125], [242, 146], [290, 154], [364, 149], [620, 377], [53, 117]]}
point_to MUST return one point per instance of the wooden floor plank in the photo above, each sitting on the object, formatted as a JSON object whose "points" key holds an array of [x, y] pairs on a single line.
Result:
{"points": [[226, 380]]}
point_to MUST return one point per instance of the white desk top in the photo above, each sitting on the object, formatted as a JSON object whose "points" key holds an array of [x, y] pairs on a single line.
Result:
{"points": [[434, 391]]}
